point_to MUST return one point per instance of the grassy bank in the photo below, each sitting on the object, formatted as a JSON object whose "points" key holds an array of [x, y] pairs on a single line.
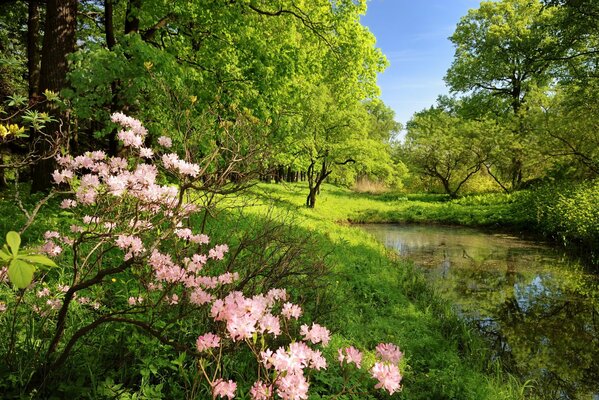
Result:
{"points": [[377, 297], [364, 295], [567, 214]]}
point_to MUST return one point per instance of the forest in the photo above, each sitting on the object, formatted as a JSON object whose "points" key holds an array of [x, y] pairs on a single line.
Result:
{"points": [[182, 185]]}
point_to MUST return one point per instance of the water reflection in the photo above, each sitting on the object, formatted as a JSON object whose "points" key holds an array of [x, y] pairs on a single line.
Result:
{"points": [[538, 308]]}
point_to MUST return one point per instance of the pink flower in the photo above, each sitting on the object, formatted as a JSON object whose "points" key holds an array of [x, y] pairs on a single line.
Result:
{"points": [[389, 352], [207, 341], [2, 306], [317, 361], [351, 355], [43, 293], [218, 252], [200, 239], [145, 152], [51, 235], [200, 297], [135, 300], [130, 139], [292, 386], [315, 335], [165, 141], [388, 376], [133, 244], [68, 203], [51, 249], [224, 389], [270, 324], [260, 391], [291, 311]]}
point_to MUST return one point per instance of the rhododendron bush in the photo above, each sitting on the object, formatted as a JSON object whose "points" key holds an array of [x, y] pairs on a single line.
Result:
{"points": [[132, 257]]}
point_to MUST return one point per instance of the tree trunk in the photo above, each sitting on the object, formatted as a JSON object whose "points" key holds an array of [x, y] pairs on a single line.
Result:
{"points": [[132, 16], [114, 92], [59, 41], [33, 51]]}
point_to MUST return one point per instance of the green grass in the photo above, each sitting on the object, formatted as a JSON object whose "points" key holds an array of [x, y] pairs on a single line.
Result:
{"points": [[370, 295], [379, 298]]}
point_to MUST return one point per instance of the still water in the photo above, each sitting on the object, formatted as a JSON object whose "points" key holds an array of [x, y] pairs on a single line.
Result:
{"points": [[538, 308]]}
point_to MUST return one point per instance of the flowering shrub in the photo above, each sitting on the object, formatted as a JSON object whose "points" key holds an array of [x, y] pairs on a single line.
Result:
{"points": [[129, 224]]}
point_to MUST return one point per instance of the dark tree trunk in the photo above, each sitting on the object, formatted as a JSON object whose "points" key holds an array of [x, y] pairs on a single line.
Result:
{"points": [[132, 16], [110, 43], [59, 41], [33, 51], [315, 179]]}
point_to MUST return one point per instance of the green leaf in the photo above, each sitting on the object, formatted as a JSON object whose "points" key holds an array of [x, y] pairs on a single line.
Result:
{"points": [[14, 241], [38, 259], [20, 273], [5, 256]]}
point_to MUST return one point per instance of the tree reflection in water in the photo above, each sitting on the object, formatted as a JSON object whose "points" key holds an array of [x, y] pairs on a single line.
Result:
{"points": [[537, 308]]}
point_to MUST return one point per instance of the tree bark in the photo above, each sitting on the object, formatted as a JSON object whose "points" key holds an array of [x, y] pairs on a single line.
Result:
{"points": [[33, 52], [59, 41]]}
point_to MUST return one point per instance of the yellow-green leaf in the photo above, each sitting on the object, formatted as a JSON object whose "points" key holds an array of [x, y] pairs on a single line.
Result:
{"points": [[38, 259], [14, 241], [20, 273], [5, 256]]}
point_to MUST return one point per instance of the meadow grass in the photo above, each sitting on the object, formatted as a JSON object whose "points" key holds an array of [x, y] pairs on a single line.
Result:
{"points": [[371, 296], [377, 297]]}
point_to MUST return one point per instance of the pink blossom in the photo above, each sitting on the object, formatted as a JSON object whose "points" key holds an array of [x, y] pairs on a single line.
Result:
{"points": [[183, 233], [292, 386], [43, 293], [62, 176], [270, 324], [145, 152], [83, 162], [389, 352], [170, 161], [276, 294], [64, 161], [86, 195], [388, 376], [351, 355], [174, 299], [200, 297], [117, 184], [130, 139], [51, 249], [317, 361], [260, 391], [135, 300], [96, 155], [133, 244], [2, 306], [222, 388], [68, 203], [316, 334], [54, 304], [165, 141], [291, 311], [207, 341], [218, 252], [200, 239], [118, 163], [228, 278], [129, 122], [88, 219], [51, 235], [63, 288], [83, 300]]}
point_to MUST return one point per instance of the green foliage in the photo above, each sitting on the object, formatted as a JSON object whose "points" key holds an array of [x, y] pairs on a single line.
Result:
{"points": [[21, 264]]}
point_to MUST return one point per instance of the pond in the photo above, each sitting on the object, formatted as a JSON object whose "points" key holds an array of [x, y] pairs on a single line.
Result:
{"points": [[538, 308]]}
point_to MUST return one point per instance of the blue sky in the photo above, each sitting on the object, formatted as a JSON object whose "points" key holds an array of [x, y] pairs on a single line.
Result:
{"points": [[413, 34]]}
